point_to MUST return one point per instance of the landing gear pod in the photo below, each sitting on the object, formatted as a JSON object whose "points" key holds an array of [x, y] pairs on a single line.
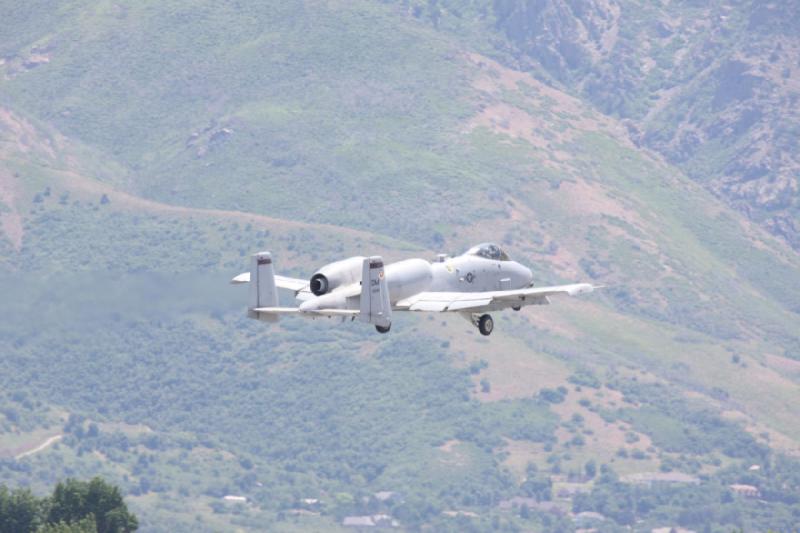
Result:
{"points": [[483, 322]]}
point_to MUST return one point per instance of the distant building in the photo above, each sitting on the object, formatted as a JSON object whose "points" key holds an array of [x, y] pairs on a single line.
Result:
{"points": [[235, 499], [377, 520], [454, 514], [302, 512], [309, 504], [588, 518], [649, 478], [746, 491], [358, 521], [386, 495], [384, 520]]}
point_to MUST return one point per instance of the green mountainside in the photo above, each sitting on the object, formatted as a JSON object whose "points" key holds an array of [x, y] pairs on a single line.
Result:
{"points": [[711, 86], [146, 149]]}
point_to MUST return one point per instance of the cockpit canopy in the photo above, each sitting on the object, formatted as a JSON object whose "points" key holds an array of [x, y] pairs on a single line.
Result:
{"points": [[489, 251]]}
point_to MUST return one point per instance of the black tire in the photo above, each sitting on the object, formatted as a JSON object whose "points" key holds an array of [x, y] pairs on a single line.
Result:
{"points": [[516, 307], [381, 329], [485, 324]]}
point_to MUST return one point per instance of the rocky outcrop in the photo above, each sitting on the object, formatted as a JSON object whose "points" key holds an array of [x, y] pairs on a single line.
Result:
{"points": [[715, 89], [564, 36]]}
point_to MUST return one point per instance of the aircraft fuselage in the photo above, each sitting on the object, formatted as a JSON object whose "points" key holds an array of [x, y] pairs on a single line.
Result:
{"points": [[465, 273]]}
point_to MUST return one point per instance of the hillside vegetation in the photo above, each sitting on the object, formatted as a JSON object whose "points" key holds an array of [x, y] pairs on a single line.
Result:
{"points": [[147, 149]]}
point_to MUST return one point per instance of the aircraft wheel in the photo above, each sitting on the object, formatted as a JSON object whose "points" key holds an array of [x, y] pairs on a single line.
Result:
{"points": [[382, 329], [485, 324], [516, 307]]}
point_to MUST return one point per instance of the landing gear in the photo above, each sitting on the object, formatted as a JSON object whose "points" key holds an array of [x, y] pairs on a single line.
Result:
{"points": [[485, 324], [516, 307], [383, 329]]}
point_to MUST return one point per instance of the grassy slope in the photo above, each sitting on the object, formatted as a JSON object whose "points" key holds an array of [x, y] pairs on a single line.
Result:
{"points": [[691, 283], [316, 98]]}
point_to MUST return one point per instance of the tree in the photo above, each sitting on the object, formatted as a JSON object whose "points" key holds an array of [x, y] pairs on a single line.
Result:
{"points": [[74, 500], [590, 468], [20, 510], [86, 525]]}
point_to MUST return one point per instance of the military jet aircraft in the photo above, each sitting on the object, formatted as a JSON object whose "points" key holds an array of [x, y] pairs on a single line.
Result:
{"points": [[481, 280]]}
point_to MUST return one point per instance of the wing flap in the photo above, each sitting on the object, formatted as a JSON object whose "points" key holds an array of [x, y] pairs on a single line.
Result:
{"points": [[426, 306], [443, 301], [445, 305], [462, 305], [572, 290], [466, 301]]}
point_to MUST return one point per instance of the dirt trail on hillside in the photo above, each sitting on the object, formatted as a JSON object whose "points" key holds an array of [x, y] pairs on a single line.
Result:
{"points": [[19, 137], [47, 443], [124, 200]]}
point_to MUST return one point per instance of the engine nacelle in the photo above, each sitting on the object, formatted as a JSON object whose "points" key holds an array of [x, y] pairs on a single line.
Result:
{"points": [[335, 275], [407, 278]]}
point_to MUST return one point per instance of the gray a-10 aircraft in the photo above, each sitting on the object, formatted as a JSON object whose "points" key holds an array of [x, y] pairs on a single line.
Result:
{"points": [[481, 280]]}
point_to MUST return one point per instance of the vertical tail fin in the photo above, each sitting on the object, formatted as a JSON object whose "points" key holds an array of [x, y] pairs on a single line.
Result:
{"points": [[375, 306], [263, 292]]}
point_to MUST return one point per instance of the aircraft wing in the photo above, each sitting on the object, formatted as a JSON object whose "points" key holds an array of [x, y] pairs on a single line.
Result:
{"points": [[478, 301]]}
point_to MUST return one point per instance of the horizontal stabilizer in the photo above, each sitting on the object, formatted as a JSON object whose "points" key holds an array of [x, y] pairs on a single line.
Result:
{"points": [[244, 277], [282, 282], [312, 312], [276, 310]]}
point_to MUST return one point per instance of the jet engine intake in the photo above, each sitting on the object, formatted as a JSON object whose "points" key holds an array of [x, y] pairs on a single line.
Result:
{"points": [[333, 275], [319, 284]]}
